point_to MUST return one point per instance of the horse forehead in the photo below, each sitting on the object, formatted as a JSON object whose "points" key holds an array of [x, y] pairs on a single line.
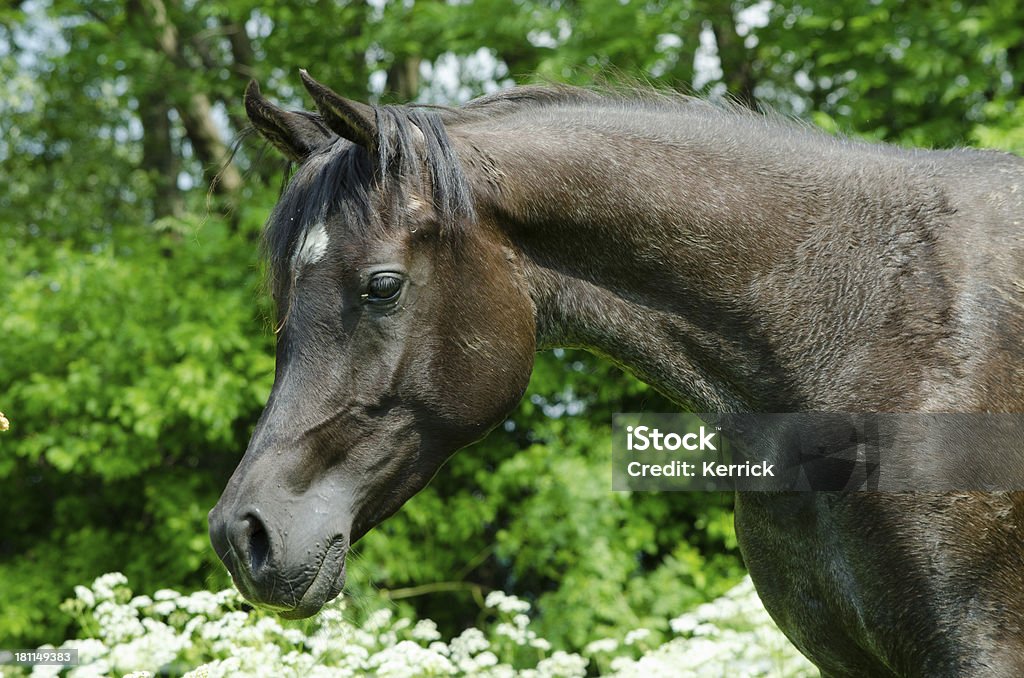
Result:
{"points": [[313, 246]]}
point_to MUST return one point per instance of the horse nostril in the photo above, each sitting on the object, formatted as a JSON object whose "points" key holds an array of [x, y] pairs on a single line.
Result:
{"points": [[259, 544]]}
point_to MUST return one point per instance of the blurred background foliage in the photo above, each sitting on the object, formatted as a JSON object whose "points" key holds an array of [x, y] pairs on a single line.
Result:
{"points": [[135, 341]]}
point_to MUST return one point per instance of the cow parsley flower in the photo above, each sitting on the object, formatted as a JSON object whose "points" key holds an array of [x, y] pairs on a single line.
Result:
{"points": [[166, 594], [85, 595], [604, 645], [636, 635], [425, 630], [562, 665], [731, 635], [506, 603], [105, 585], [378, 620], [409, 660], [469, 642]]}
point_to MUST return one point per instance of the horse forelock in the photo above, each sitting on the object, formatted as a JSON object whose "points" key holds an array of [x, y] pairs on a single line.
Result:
{"points": [[342, 183]]}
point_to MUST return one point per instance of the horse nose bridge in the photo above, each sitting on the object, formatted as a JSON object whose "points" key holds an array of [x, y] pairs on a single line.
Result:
{"points": [[287, 430], [282, 417], [277, 453]]}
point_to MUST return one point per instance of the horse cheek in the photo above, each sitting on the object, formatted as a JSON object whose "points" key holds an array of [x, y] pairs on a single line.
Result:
{"points": [[489, 358]]}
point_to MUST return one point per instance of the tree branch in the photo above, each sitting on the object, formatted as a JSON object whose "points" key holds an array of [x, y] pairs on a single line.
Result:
{"points": [[437, 587]]}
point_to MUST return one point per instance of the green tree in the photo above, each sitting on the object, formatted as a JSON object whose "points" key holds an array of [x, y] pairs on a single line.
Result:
{"points": [[135, 345]]}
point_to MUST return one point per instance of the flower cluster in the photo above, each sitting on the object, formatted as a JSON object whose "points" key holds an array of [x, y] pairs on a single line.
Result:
{"points": [[209, 635], [732, 635]]}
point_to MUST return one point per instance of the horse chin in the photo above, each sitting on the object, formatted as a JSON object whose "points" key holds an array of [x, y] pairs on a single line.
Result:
{"points": [[325, 587]]}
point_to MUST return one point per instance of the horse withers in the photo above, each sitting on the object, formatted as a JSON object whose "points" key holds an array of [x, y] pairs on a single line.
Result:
{"points": [[420, 256]]}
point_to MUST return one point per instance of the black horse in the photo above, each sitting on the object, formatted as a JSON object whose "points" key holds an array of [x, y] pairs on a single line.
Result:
{"points": [[737, 263]]}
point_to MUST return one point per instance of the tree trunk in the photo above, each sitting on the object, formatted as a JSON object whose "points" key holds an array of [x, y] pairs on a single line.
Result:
{"points": [[158, 158], [220, 172], [737, 71], [196, 112], [241, 49], [403, 82]]}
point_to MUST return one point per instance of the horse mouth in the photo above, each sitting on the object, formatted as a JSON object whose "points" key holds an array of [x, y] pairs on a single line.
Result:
{"points": [[325, 585]]}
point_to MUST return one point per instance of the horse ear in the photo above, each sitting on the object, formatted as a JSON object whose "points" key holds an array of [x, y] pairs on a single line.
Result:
{"points": [[294, 133], [348, 119]]}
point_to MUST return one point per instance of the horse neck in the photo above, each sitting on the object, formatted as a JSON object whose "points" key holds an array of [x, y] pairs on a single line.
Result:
{"points": [[659, 250]]}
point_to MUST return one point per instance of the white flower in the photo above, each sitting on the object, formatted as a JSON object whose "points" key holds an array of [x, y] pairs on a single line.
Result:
{"points": [[294, 636], [684, 624], [474, 666], [225, 627], [706, 629], [200, 602], [506, 603], [732, 635], [46, 670], [425, 630], [563, 665], [621, 665], [331, 616], [98, 669], [298, 662], [105, 584], [139, 602], [118, 623], [440, 648], [636, 635], [89, 649], [160, 645], [602, 645], [166, 594], [469, 642], [85, 595], [164, 607], [540, 644], [407, 659], [221, 668], [227, 596], [193, 624], [269, 625], [518, 635], [378, 620]]}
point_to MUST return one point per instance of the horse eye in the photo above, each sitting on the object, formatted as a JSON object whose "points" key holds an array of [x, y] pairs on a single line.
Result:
{"points": [[383, 287]]}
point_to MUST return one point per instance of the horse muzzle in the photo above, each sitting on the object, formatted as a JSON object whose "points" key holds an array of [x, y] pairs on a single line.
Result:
{"points": [[293, 573]]}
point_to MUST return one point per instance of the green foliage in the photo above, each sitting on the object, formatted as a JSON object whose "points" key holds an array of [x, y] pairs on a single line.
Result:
{"points": [[135, 346], [131, 371], [920, 73]]}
